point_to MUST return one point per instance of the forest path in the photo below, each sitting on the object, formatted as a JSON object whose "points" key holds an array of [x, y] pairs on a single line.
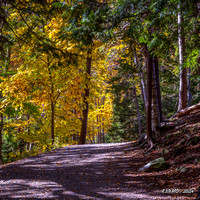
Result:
{"points": [[96, 172]]}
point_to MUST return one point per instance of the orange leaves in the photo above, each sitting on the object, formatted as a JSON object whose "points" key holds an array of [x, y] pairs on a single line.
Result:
{"points": [[45, 77]]}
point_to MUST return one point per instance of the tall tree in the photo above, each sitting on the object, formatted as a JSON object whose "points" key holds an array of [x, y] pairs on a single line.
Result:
{"points": [[157, 77], [86, 98], [4, 58], [143, 87], [1, 132], [198, 86], [155, 103], [149, 63], [87, 22], [183, 70]]}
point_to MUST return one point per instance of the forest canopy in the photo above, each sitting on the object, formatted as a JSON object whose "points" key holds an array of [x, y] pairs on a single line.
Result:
{"points": [[93, 71]]}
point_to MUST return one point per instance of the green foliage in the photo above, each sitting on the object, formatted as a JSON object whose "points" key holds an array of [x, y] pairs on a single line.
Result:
{"points": [[31, 109], [125, 124], [192, 59], [10, 111], [12, 147], [43, 53]]}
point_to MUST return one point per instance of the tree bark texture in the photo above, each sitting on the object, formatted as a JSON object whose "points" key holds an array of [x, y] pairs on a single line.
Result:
{"points": [[155, 106], [149, 99], [3, 56], [143, 85], [189, 95], [52, 104], [183, 71], [52, 122], [1, 131], [188, 110], [103, 132], [198, 86], [8, 58], [158, 88], [85, 99], [144, 92]]}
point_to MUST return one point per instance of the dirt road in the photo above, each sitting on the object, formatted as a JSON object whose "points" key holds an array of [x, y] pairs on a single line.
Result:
{"points": [[94, 172]]}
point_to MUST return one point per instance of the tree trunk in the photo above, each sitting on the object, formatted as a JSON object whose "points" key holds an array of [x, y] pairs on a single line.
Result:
{"points": [[3, 57], [198, 86], [103, 133], [96, 105], [52, 104], [155, 103], [8, 58], [99, 128], [85, 99], [189, 95], [149, 99], [183, 71], [52, 123], [1, 131], [158, 88], [138, 112], [100, 132], [29, 145], [143, 86], [188, 110], [143, 89]]}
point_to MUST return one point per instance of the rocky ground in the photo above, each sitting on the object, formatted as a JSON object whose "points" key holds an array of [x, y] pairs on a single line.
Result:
{"points": [[179, 144]]}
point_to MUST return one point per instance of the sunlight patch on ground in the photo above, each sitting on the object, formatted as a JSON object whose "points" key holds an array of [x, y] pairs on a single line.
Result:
{"points": [[66, 161], [29, 188], [130, 195], [81, 196], [98, 145]]}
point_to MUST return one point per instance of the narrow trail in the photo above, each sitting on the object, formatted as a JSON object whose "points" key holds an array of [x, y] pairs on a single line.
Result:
{"points": [[94, 172]]}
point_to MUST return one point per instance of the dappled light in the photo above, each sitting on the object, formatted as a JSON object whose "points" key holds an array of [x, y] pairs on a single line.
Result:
{"points": [[106, 171], [99, 99]]}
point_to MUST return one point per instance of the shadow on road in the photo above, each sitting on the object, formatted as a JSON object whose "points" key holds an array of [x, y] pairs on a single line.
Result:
{"points": [[76, 172]]}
